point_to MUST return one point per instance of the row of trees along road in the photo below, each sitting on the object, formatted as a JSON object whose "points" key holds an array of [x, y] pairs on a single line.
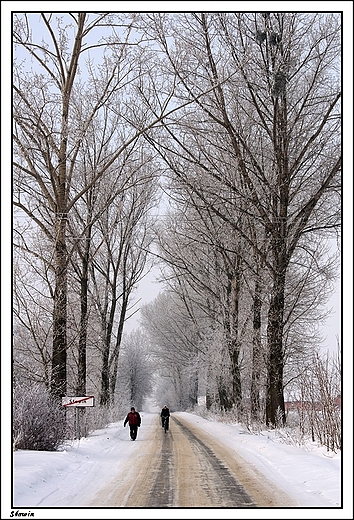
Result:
{"points": [[239, 115]]}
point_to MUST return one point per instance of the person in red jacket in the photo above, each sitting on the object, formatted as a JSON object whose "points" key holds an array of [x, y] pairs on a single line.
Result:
{"points": [[134, 420]]}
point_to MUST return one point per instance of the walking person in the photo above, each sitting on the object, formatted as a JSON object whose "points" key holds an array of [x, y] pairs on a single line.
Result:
{"points": [[134, 420], [165, 416]]}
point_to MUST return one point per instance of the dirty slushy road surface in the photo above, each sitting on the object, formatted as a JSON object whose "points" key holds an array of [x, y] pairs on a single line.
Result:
{"points": [[186, 467]]}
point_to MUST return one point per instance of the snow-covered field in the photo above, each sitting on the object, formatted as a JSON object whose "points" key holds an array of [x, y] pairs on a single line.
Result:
{"points": [[310, 475]]}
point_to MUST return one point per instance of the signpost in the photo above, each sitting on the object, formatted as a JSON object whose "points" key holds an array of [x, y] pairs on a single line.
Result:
{"points": [[78, 402]]}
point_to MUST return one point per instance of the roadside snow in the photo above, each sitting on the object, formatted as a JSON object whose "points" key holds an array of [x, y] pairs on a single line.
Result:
{"points": [[59, 480]]}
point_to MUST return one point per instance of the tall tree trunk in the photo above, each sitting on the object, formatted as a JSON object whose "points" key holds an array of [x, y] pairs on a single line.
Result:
{"points": [[108, 328], [81, 373], [115, 356], [104, 396], [58, 377], [224, 394], [275, 359], [58, 382], [232, 326], [275, 362], [256, 353], [236, 374]]}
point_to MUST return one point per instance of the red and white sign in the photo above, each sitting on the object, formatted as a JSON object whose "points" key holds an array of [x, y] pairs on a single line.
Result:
{"points": [[78, 401]]}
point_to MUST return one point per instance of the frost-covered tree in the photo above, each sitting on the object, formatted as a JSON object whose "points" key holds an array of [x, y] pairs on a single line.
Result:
{"points": [[76, 84], [176, 346], [136, 369], [261, 143]]}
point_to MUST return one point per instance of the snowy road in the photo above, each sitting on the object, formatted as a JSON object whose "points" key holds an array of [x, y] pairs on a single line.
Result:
{"points": [[185, 468], [199, 463]]}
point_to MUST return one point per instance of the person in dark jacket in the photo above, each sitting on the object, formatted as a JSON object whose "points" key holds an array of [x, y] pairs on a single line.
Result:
{"points": [[165, 414], [134, 420]]}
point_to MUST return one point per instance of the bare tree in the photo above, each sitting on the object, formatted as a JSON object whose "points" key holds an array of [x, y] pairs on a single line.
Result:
{"points": [[117, 266], [47, 142], [136, 369], [267, 131], [254, 152], [58, 99], [32, 323]]}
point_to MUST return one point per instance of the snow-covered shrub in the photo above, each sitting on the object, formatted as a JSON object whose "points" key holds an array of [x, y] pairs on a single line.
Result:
{"points": [[38, 420], [319, 402]]}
